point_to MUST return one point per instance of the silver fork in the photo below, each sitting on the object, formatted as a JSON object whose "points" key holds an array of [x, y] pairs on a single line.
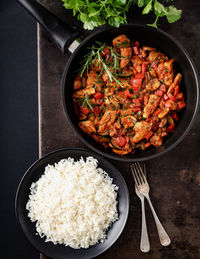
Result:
{"points": [[144, 242], [143, 188]]}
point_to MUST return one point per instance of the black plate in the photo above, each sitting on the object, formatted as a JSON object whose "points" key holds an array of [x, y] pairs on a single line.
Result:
{"points": [[60, 251]]}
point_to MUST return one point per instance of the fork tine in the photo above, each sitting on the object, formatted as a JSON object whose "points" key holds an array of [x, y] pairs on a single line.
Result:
{"points": [[145, 170], [135, 175], [140, 172]]}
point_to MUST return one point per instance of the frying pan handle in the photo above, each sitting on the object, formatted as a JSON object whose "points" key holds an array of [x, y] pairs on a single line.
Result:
{"points": [[62, 35]]}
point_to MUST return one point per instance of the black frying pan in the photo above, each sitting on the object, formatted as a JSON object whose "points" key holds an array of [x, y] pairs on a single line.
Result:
{"points": [[64, 36]]}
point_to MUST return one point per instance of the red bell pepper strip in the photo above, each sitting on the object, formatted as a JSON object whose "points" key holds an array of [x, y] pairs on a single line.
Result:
{"points": [[168, 104], [136, 83], [149, 135], [179, 96], [128, 94], [121, 141], [148, 144], [171, 128], [136, 109], [96, 110], [175, 116], [157, 111], [181, 105], [159, 93], [139, 76], [146, 98], [171, 97], [85, 110], [136, 102], [136, 50], [176, 90], [98, 95]]}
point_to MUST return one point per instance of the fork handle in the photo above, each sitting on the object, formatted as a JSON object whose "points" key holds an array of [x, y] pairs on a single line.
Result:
{"points": [[144, 242], [163, 236]]}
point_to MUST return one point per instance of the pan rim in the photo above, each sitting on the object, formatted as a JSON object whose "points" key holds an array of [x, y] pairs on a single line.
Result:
{"points": [[128, 159]]}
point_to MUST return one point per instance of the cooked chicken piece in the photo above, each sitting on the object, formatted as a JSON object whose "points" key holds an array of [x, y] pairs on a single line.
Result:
{"points": [[121, 152], [127, 112], [143, 53], [153, 56], [113, 131], [117, 125], [117, 42], [128, 121], [136, 61], [84, 82], [153, 84], [77, 83], [96, 121], [170, 119], [124, 83], [105, 77], [151, 105], [163, 134], [107, 120], [87, 127], [176, 82], [165, 72], [109, 91], [113, 101], [153, 73], [163, 122], [163, 113], [81, 93], [126, 54], [93, 80], [162, 104], [156, 140], [177, 79], [91, 117], [126, 72], [141, 130], [148, 48]]}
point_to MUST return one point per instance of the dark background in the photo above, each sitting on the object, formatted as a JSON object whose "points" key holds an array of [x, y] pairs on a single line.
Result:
{"points": [[19, 107], [19, 119]]}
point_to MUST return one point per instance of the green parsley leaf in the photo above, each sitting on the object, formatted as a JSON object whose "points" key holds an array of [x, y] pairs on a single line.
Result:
{"points": [[173, 14], [147, 8], [96, 13]]}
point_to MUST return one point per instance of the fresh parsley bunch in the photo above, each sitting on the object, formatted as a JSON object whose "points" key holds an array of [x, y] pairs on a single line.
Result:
{"points": [[94, 13]]}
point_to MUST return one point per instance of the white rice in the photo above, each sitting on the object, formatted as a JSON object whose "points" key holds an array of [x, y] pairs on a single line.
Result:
{"points": [[73, 203]]}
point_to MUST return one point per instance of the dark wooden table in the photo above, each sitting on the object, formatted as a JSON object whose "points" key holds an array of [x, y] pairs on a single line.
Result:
{"points": [[174, 178]]}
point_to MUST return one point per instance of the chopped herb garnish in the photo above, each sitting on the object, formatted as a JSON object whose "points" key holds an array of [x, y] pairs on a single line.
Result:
{"points": [[86, 101]]}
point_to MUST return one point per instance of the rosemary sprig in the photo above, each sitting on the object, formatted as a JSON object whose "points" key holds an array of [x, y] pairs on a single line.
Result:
{"points": [[111, 65]]}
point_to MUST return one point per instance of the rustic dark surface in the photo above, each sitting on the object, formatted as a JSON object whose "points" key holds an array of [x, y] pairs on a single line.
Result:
{"points": [[174, 178]]}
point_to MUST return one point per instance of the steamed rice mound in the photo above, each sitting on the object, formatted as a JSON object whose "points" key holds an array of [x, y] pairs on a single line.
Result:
{"points": [[73, 203]]}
